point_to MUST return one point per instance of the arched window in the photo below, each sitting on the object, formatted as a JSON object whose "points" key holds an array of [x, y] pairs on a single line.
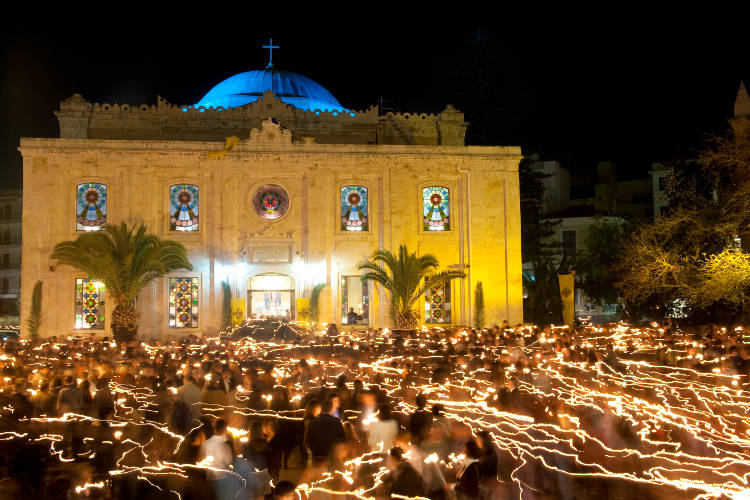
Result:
{"points": [[437, 304], [183, 207], [91, 206], [89, 310], [436, 208], [183, 302], [355, 215]]}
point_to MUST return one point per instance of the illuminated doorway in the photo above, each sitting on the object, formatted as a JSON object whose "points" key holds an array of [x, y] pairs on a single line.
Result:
{"points": [[355, 301], [271, 296]]}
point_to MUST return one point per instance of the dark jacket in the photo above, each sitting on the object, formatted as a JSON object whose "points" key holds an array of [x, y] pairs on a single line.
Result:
{"points": [[467, 485], [407, 481], [419, 423], [22, 407], [322, 433], [70, 399]]}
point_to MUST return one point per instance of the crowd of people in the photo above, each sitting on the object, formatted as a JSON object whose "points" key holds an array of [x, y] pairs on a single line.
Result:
{"points": [[440, 413]]}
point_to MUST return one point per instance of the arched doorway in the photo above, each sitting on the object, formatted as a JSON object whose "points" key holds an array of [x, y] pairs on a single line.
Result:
{"points": [[271, 296]]}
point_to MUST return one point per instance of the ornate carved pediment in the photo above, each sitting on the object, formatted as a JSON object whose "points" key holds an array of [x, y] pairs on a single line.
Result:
{"points": [[267, 246], [270, 132], [266, 232]]}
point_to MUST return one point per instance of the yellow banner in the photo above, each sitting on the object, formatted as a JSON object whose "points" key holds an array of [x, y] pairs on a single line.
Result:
{"points": [[568, 296], [238, 311], [303, 309]]}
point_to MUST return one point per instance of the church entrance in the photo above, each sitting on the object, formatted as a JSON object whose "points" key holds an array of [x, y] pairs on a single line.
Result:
{"points": [[355, 301], [271, 296]]}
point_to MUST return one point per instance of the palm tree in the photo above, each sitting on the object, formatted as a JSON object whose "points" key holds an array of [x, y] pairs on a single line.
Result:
{"points": [[406, 277], [125, 260]]}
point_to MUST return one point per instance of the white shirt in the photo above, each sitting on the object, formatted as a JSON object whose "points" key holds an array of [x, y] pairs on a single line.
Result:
{"points": [[217, 448], [382, 431]]}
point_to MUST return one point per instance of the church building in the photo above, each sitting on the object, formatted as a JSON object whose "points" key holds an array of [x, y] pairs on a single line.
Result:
{"points": [[274, 187]]}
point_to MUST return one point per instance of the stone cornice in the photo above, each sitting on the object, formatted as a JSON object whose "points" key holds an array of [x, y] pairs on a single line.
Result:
{"points": [[109, 148]]}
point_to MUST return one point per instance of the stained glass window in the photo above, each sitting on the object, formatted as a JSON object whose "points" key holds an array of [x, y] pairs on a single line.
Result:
{"points": [[183, 207], [183, 302], [89, 310], [354, 209], [436, 206], [91, 206], [270, 201], [437, 304]]}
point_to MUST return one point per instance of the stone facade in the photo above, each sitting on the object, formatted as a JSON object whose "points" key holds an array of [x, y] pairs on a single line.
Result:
{"points": [[80, 119], [140, 161]]}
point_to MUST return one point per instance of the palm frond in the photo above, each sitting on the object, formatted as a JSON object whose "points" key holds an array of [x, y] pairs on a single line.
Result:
{"points": [[125, 259], [405, 276], [435, 280]]}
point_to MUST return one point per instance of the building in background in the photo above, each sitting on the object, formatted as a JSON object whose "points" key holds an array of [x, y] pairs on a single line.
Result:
{"points": [[274, 186], [659, 176], [611, 194], [10, 255]]}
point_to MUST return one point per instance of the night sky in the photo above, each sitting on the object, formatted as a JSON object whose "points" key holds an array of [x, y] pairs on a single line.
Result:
{"points": [[575, 93]]}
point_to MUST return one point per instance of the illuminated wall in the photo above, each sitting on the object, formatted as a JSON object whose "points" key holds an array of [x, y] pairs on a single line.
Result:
{"points": [[307, 242]]}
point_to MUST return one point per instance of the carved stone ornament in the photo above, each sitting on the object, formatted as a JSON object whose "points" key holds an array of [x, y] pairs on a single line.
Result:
{"points": [[76, 102], [270, 132], [266, 233]]}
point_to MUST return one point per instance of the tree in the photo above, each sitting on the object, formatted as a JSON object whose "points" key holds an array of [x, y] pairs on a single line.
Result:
{"points": [[597, 265], [34, 322], [125, 260], [726, 278], [535, 230], [727, 162], [684, 259], [479, 312], [543, 305], [406, 277], [226, 305], [314, 308]]}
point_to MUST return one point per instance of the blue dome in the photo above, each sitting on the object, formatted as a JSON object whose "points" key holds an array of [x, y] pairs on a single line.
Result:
{"points": [[294, 89]]}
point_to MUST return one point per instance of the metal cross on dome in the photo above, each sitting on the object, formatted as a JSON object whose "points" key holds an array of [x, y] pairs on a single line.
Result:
{"points": [[270, 48]]}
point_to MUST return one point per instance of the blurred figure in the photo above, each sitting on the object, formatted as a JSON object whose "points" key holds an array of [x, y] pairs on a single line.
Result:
{"points": [[469, 478], [190, 394], [189, 451], [256, 449], [312, 411], [103, 397], [420, 420], [323, 432], [216, 452], [105, 443], [489, 459], [383, 432], [43, 401], [213, 393], [181, 418], [70, 399], [86, 397], [20, 403], [404, 478]]}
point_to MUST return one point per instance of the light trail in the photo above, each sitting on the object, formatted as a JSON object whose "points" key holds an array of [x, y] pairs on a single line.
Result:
{"points": [[553, 411]]}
